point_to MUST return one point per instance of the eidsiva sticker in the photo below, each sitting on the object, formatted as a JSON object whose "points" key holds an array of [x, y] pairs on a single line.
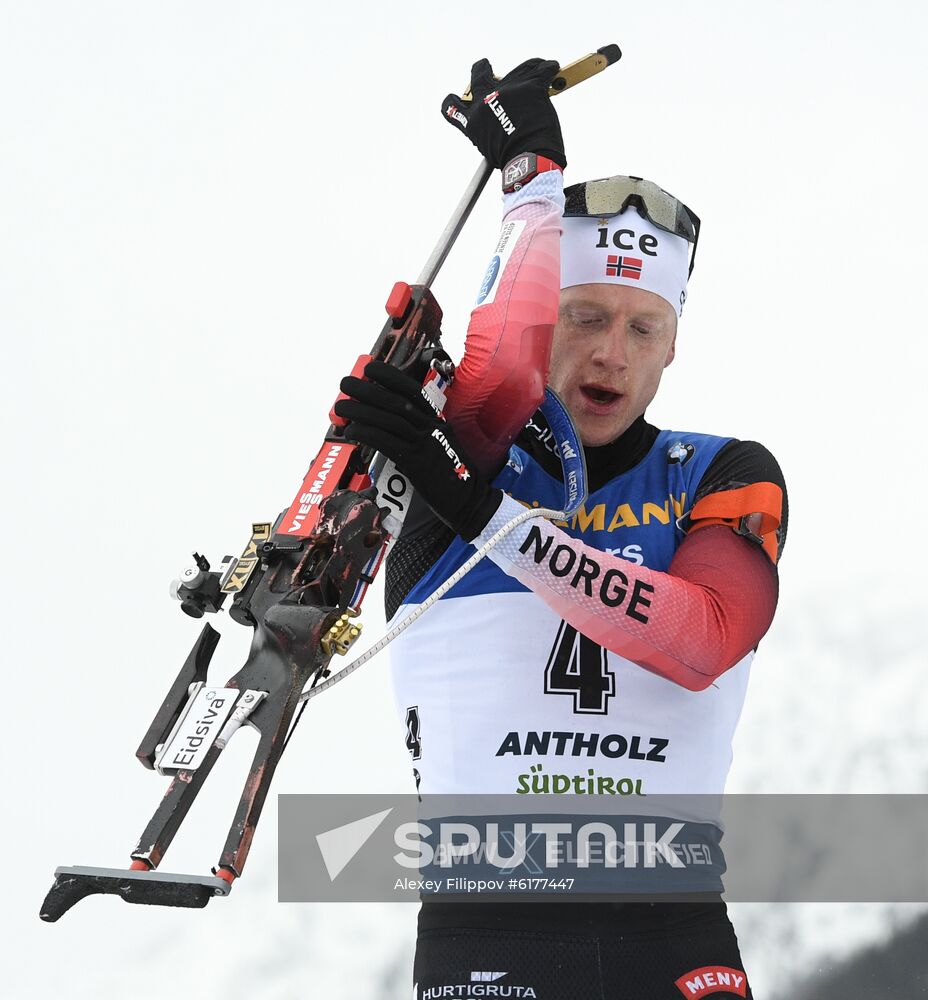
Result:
{"points": [[508, 239], [196, 729]]}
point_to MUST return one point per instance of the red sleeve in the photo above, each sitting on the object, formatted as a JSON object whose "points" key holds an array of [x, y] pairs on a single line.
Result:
{"points": [[500, 381], [690, 624]]}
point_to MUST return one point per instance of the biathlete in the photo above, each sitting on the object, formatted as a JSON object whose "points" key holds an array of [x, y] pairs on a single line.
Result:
{"points": [[614, 647]]}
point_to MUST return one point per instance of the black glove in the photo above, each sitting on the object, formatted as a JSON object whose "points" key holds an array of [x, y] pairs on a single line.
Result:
{"points": [[388, 412], [509, 116]]}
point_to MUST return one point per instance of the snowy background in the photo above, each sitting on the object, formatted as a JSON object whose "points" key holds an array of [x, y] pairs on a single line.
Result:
{"points": [[202, 209]]}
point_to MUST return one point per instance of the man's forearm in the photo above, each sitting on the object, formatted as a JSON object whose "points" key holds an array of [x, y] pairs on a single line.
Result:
{"points": [[501, 378], [689, 625]]}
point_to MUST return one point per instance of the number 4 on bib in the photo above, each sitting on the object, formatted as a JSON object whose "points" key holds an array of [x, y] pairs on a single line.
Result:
{"points": [[579, 667]]}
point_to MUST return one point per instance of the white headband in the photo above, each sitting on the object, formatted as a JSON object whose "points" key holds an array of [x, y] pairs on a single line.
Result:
{"points": [[627, 249]]}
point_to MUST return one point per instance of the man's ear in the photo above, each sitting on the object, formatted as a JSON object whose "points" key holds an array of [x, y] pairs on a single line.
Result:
{"points": [[672, 350]]}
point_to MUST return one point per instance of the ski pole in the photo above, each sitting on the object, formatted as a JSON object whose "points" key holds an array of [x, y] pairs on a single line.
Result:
{"points": [[578, 71]]}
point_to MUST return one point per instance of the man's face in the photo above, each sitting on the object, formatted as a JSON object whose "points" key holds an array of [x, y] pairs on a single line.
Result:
{"points": [[611, 346]]}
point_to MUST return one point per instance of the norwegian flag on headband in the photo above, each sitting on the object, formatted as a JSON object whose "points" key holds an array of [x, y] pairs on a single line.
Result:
{"points": [[623, 267]]}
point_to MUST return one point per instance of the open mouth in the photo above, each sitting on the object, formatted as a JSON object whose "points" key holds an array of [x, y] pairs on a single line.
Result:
{"points": [[599, 395]]}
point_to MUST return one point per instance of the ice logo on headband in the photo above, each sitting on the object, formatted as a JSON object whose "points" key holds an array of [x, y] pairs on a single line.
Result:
{"points": [[648, 243], [624, 249]]}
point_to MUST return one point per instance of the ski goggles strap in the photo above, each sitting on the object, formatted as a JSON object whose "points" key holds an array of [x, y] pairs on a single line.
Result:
{"points": [[610, 196]]}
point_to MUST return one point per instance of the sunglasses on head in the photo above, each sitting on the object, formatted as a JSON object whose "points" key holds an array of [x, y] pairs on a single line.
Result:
{"points": [[610, 196]]}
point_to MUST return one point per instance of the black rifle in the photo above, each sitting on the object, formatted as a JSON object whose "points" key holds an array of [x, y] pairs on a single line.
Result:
{"points": [[299, 584]]}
